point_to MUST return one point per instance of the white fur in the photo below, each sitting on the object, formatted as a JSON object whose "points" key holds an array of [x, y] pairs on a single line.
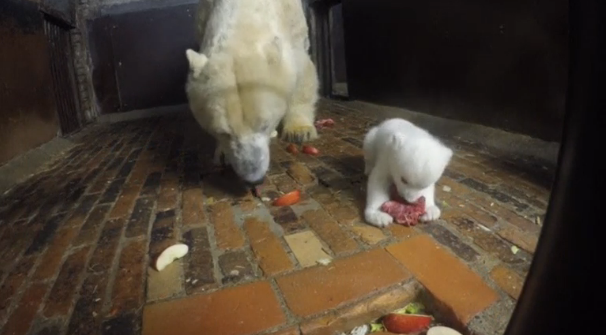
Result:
{"points": [[251, 74], [397, 149]]}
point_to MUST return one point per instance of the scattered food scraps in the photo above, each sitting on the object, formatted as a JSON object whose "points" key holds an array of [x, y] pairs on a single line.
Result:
{"points": [[309, 150], [360, 330], [273, 134], [324, 261], [413, 308], [288, 199], [170, 254], [376, 327], [406, 323], [292, 148], [324, 123], [538, 221], [403, 212], [265, 199], [446, 188], [514, 249], [441, 330]]}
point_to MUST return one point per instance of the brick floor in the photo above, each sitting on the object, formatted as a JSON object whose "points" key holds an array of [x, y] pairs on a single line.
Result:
{"points": [[78, 240]]}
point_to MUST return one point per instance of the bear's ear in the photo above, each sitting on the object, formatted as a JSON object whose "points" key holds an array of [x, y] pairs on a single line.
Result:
{"points": [[396, 140], [197, 61]]}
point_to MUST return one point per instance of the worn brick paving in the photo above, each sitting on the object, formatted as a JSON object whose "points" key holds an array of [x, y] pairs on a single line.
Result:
{"points": [[78, 240]]}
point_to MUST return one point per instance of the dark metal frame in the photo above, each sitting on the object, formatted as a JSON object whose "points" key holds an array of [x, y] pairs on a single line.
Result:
{"points": [[63, 73], [321, 44], [564, 287]]}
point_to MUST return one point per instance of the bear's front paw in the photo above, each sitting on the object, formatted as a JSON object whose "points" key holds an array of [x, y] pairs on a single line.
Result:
{"points": [[431, 213], [299, 133], [378, 218]]}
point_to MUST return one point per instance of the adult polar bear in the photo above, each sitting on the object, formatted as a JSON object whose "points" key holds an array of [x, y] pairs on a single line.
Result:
{"points": [[251, 75]]}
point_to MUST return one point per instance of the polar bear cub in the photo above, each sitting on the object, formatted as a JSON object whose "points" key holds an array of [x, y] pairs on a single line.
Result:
{"points": [[251, 75], [401, 153]]}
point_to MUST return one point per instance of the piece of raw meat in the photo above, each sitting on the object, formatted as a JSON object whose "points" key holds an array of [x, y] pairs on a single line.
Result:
{"points": [[402, 211], [324, 123]]}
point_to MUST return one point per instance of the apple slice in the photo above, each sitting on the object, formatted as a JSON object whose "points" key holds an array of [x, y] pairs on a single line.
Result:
{"points": [[406, 323], [170, 254], [441, 330]]}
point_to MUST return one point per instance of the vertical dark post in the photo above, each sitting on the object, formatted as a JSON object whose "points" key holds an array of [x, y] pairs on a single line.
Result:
{"points": [[563, 289], [321, 44]]}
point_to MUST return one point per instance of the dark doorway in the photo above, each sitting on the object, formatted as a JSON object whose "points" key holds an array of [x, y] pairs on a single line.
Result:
{"points": [[139, 57], [337, 51], [62, 74]]}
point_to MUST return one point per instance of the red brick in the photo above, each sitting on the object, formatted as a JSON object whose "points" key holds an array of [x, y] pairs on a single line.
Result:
{"points": [[300, 174], [318, 289], [329, 231], [284, 183], [227, 233], [193, 212], [169, 192], [447, 278], [94, 223], [51, 260], [129, 281], [106, 247], [402, 232], [286, 217], [59, 300], [200, 267], [138, 223], [87, 315], [125, 202], [13, 283], [267, 248], [246, 309], [481, 173], [20, 321], [523, 239], [508, 280], [235, 267]]}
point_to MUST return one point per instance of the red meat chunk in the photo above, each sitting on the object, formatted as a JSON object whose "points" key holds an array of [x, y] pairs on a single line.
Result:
{"points": [[402, 211], [324, 123]]}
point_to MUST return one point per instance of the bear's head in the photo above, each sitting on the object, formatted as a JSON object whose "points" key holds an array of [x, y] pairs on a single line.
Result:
{"points": [[416, 162], [238, 103]]}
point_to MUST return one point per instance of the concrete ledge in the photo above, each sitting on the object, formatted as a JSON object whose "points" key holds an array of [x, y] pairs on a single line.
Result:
{"points": [[34, 161], [494, 140], [141, 114]]}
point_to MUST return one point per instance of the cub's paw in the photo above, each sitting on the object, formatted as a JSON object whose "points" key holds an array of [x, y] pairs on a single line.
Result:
{"points": [[378, 218], [297, 133], [431, 213]]}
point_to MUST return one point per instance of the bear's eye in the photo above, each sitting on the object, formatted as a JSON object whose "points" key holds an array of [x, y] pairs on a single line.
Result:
{"points": [[403, 180]]}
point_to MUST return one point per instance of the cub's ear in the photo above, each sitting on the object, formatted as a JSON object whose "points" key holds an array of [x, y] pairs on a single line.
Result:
{"points": [[396, 140], [197, 61]]}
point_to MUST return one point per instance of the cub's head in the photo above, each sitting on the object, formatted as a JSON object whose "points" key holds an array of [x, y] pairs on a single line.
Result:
{"points": [[416, 163], [241, 114]]}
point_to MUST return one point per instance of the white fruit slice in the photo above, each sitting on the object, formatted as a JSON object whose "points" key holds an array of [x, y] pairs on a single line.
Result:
{"points": [[441, 330], [170, 254]]}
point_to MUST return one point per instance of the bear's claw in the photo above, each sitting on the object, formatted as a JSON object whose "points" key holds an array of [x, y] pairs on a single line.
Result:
{"points": [[299, 134]]}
